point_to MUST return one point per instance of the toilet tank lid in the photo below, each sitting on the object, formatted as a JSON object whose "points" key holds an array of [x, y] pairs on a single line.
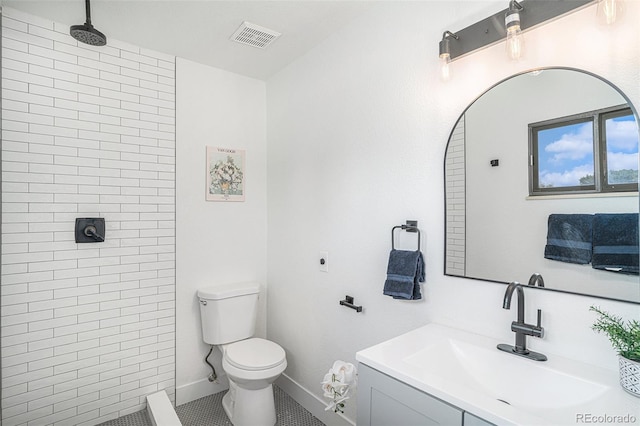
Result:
{"points": [[224, 291]]}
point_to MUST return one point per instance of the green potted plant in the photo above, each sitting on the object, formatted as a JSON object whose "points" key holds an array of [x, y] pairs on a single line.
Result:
{"points": [[625, 338]]}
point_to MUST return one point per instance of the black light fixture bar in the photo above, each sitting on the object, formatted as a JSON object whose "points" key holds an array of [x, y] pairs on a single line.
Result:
{"points": [[491, 30]]}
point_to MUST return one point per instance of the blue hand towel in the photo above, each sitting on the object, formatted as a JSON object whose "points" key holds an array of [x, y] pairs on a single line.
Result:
{"points": [[404, 273], [569, 238], [615, 242]]}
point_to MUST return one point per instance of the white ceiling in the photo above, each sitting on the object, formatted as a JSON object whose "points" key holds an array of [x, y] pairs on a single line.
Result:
{"points": [[199, 30]]}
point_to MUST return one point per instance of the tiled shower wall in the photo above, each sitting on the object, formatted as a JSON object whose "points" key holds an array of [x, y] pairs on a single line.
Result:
{"points": [[456, 199], [87, 329]]}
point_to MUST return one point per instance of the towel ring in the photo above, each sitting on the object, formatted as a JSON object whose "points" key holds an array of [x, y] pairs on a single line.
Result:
{"points": [[407, 228]]}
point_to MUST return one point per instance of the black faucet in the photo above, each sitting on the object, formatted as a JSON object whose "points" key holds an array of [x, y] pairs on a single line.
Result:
{"points": [[521, 328]]}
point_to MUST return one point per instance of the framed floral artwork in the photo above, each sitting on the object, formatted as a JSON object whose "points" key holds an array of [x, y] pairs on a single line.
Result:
{"points": [[225, 174]]}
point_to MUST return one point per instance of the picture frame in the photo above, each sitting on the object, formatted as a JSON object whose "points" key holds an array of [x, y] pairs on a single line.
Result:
{"points": [[225, 174]]}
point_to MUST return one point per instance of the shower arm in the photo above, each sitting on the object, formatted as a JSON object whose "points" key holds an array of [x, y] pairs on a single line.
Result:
{"points": [[88, 11]]}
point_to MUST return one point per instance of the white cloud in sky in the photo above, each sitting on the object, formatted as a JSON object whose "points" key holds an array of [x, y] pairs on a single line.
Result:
{"points": [[621, 161], [622, 135], [565, 178], [572, 146]]}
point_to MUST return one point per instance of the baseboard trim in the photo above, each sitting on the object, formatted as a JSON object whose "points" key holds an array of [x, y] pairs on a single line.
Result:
{"points": [[311, 403], [200, 389]]}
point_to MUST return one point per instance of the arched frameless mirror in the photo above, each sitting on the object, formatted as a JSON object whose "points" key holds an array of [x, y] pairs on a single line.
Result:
{"points": [[548, 142]]}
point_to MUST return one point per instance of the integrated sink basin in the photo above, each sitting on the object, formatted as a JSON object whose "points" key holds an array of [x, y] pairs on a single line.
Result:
{"points": [[515, 381], [468, 371]]}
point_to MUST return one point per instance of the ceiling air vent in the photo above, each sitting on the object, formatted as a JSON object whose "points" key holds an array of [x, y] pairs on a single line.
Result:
{"points": [[255, 35]]}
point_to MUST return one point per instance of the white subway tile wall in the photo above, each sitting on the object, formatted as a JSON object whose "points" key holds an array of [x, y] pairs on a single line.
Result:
{"points": [[456, 207], [87, 330]]}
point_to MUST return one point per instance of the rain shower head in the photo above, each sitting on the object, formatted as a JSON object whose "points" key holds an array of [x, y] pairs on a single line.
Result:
{"points": [[86, 33]]}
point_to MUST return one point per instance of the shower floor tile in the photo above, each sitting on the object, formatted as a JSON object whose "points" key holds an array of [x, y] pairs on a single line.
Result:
{"points": [[208, 411]]}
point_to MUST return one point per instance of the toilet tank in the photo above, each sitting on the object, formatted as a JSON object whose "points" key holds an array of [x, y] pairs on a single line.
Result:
{"points": [[228, 312]]}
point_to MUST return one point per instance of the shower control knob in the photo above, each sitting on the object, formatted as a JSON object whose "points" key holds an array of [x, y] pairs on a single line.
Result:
{"points": [[90, 230]]}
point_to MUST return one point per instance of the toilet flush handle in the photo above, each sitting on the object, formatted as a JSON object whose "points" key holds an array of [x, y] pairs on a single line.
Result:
{"points": [[204, 302]]}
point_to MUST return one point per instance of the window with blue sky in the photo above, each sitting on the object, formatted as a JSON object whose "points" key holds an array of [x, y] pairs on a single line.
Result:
{"points": [[622, 149], [565, 155], [589, 152]]}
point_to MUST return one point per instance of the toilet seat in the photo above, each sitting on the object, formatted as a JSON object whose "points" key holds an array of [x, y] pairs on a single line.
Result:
{"points": [[254, 354]]}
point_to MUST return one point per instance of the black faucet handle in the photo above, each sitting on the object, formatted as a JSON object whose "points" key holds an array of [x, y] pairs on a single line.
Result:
{"points": [[539, 331]]}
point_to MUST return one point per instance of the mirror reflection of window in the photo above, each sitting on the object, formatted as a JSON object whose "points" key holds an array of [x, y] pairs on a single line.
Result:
{"points": [[595, 151], [621, 141], [565, 157]]}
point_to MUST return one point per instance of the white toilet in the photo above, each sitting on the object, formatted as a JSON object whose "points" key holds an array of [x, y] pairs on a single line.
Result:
{"points": [[228, 314]]}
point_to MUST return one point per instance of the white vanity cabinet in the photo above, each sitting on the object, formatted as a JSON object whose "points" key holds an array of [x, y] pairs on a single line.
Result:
{"points": [[385, 401], [471, 420]]}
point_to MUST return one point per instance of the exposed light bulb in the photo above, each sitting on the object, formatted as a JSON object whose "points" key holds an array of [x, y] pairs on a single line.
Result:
{"points": [[609, 11], [445, 70], [515, 41], [445, 54]]}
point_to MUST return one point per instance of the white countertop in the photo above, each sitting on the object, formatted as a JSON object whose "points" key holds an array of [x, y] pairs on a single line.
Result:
{"points": [[427, 359]]}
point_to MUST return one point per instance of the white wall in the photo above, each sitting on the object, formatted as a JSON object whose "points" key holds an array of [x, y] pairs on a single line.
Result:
{"points": [[357, 130], [216, 241], [88, 330]]}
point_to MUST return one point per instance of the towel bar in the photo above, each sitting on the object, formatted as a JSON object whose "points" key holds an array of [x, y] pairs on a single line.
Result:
{"points": [[411, 226]]}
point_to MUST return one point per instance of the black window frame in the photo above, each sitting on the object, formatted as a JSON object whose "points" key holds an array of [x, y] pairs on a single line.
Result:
{"points": [[607, 187], [600, 185]]}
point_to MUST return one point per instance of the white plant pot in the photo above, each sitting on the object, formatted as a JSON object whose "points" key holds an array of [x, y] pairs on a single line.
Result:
{"points": [[630, 375]]}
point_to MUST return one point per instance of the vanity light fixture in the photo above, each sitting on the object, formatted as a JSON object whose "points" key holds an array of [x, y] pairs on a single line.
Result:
{"points": [[609, 11], [445, 54], [514, 33], [520, 16]]}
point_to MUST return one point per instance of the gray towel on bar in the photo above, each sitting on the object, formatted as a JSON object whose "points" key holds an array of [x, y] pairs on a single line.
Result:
{"points": [[569, 238], [615, 242], [404, 273]]}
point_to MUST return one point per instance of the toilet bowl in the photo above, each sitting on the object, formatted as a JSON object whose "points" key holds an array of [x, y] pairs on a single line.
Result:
{"points": [[252, 364]]}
